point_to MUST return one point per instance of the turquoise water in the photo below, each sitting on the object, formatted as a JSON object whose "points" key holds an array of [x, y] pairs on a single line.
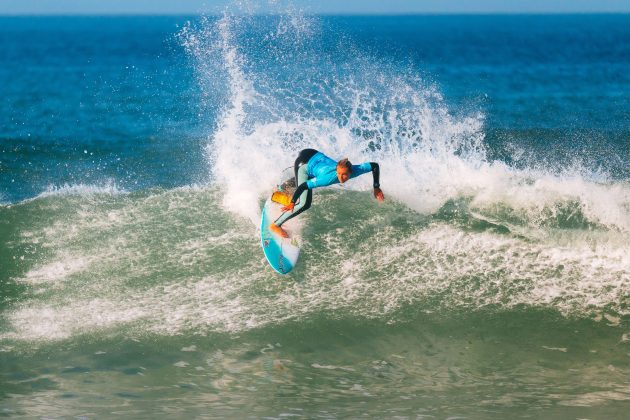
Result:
{"points": [[493, 282]]}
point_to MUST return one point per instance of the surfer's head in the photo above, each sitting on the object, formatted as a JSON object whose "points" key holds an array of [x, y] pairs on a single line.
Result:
{"points": [[344, 170]]}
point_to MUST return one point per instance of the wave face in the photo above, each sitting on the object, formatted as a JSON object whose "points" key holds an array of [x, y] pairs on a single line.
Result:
{"points": [[494, 281]]}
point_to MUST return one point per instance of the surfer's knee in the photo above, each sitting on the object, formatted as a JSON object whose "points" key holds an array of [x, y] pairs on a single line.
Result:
{"points": [[301, 205], [304, 203]]}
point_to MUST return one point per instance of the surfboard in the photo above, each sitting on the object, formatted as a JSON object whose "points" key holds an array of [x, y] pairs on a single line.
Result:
{"points": [[281, 253]]}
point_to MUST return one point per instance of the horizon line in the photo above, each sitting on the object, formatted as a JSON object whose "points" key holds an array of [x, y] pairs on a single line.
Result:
{"points": [[480, 13]]}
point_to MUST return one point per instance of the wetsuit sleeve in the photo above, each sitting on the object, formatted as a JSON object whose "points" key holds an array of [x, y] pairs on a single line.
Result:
{"points": [[365, 168], [376, 173]]}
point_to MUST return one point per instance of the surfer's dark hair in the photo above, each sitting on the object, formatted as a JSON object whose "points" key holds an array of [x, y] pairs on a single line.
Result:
{"points": [[345, 163]]}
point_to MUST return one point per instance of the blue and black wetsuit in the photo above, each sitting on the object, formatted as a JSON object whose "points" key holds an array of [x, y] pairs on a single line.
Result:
{"points": [[314, 169]]}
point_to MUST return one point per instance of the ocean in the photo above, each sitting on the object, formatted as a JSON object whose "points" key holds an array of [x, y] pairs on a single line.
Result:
{"points": [[136, 153]]}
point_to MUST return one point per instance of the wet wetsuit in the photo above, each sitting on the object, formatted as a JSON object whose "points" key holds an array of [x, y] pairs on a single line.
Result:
{"points": [[314, 169]]}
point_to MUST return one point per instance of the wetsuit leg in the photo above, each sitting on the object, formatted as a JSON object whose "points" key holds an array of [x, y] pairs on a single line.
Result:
{"points": [[304, 202]]}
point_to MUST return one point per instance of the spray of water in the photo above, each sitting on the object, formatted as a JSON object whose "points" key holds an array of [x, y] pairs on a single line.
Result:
{"points": [[283, 85], [286, 96]]}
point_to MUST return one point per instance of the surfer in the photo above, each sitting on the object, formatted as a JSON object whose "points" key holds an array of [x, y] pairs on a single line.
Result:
{"points": [[314, 169]]}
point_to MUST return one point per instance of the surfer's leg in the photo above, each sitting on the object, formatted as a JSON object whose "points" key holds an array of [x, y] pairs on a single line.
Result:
{"points": [[306, 198], [304, 202]]}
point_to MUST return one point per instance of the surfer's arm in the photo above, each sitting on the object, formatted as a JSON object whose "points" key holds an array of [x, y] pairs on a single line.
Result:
{"points": [[366, 167], [300, 189], [296, 195], [373, 167], [378, 194], [307, 185], [376, 173]]}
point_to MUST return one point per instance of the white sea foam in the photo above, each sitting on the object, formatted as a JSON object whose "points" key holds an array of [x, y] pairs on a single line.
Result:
{"points": [[438, 267], [62, 320], [58, 270], [108, 188]]}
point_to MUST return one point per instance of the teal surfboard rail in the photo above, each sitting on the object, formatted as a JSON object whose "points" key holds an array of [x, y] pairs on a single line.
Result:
{"points": [[282, 253]]}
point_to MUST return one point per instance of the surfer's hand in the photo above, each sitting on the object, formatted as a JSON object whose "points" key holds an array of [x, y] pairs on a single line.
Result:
{"points": [[288, 207], [378, 194]]}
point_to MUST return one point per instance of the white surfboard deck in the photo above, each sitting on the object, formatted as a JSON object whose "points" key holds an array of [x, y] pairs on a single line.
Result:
{"points": [[282, 253]]}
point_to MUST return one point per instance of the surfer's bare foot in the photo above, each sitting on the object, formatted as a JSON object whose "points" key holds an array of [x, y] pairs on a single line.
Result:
{"points": [[278, 230]]}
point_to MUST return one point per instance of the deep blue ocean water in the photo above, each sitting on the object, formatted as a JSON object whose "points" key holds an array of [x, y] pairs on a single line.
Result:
{"points": [[123, 89], [494, 281]]}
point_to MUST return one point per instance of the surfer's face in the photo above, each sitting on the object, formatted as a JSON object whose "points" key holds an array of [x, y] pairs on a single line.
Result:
{"points": [[343, 173]]}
